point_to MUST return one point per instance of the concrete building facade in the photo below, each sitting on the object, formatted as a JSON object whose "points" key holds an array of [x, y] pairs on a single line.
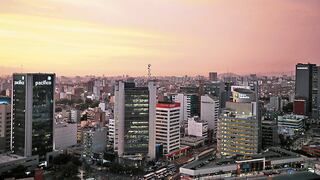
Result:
{"points": [[168, 126]]}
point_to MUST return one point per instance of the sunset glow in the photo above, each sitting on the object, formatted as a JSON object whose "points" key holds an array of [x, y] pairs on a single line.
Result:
{"points": [[177, 37]]}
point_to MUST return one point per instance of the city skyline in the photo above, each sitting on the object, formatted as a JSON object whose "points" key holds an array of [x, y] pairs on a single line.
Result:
{"points": [[178, 37], [159, 89]]}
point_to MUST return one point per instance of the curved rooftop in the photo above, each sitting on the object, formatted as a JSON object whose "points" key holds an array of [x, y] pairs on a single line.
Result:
{"points": [[243, 91]]}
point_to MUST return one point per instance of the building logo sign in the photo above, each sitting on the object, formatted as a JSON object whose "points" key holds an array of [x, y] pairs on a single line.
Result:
{"points": [[243, 96], [46, 82], [43, 83], [302, 68], [20, 82]]}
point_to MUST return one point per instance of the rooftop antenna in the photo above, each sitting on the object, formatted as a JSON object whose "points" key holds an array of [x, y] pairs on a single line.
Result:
{"points": [[149, 71]]}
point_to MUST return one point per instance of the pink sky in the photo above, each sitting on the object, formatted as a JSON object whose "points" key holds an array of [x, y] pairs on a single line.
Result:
{"points": [[178, 37]]}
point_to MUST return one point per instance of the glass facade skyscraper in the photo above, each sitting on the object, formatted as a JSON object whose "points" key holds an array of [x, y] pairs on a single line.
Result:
{"points": [[135, 119], [33, 114], [136, 129], [307, 87]]}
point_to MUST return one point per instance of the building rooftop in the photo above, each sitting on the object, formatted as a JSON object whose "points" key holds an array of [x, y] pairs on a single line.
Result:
{"points": [[293, 117], [192, 138], [244, 91], [9, 157], [235, 114], [167, 105], [273, 153]]}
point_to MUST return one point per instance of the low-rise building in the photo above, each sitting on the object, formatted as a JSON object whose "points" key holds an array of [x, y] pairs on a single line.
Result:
{"points": [[291, 124], [11, 161], [192, 141], [197, 127], [210, 167], [312, 150]]}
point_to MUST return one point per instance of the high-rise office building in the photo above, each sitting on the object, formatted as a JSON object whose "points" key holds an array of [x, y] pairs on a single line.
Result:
{"points": [[96, 90], [239, 125], [210, 111], [216, 89], [307, 83], [33, 114], [275, 103], [213, 76], [269, 129], [5, 124], [190, 105], [135, 110], [168, 126], [270, 134]]}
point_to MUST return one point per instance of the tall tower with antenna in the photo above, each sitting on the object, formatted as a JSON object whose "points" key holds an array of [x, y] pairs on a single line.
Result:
{"points": [[149, 71]]}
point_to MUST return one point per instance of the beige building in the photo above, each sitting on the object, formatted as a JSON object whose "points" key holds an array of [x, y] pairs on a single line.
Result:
{"points": [[239, 127]]}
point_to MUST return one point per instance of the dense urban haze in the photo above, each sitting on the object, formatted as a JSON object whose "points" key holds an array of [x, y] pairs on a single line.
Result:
{"points": [[159, 89], [178, 37]]}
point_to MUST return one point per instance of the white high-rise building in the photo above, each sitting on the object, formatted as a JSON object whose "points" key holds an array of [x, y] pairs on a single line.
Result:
{"points": [[75, 116], [111, 134], [210, 111], [96, 90], [188, 105], [275, 103], [134, 113], [168, 126], [180, 98]]}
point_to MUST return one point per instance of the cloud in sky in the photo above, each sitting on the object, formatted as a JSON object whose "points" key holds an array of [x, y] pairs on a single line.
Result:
{"points": [[59, 45], [177, 36]]}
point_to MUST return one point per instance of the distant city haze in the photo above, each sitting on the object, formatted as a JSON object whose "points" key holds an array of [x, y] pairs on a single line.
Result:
{"points": [[178, 37]]}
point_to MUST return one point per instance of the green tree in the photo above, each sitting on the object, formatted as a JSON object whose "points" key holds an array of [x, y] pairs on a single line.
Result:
{"points": [[70, 170]]}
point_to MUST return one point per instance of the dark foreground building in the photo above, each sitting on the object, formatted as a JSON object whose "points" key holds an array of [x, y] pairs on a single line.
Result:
{"points": [[33, 114]]}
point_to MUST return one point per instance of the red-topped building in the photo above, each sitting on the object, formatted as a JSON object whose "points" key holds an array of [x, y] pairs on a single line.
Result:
{"points": [[168, 126], [299, 106]]}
